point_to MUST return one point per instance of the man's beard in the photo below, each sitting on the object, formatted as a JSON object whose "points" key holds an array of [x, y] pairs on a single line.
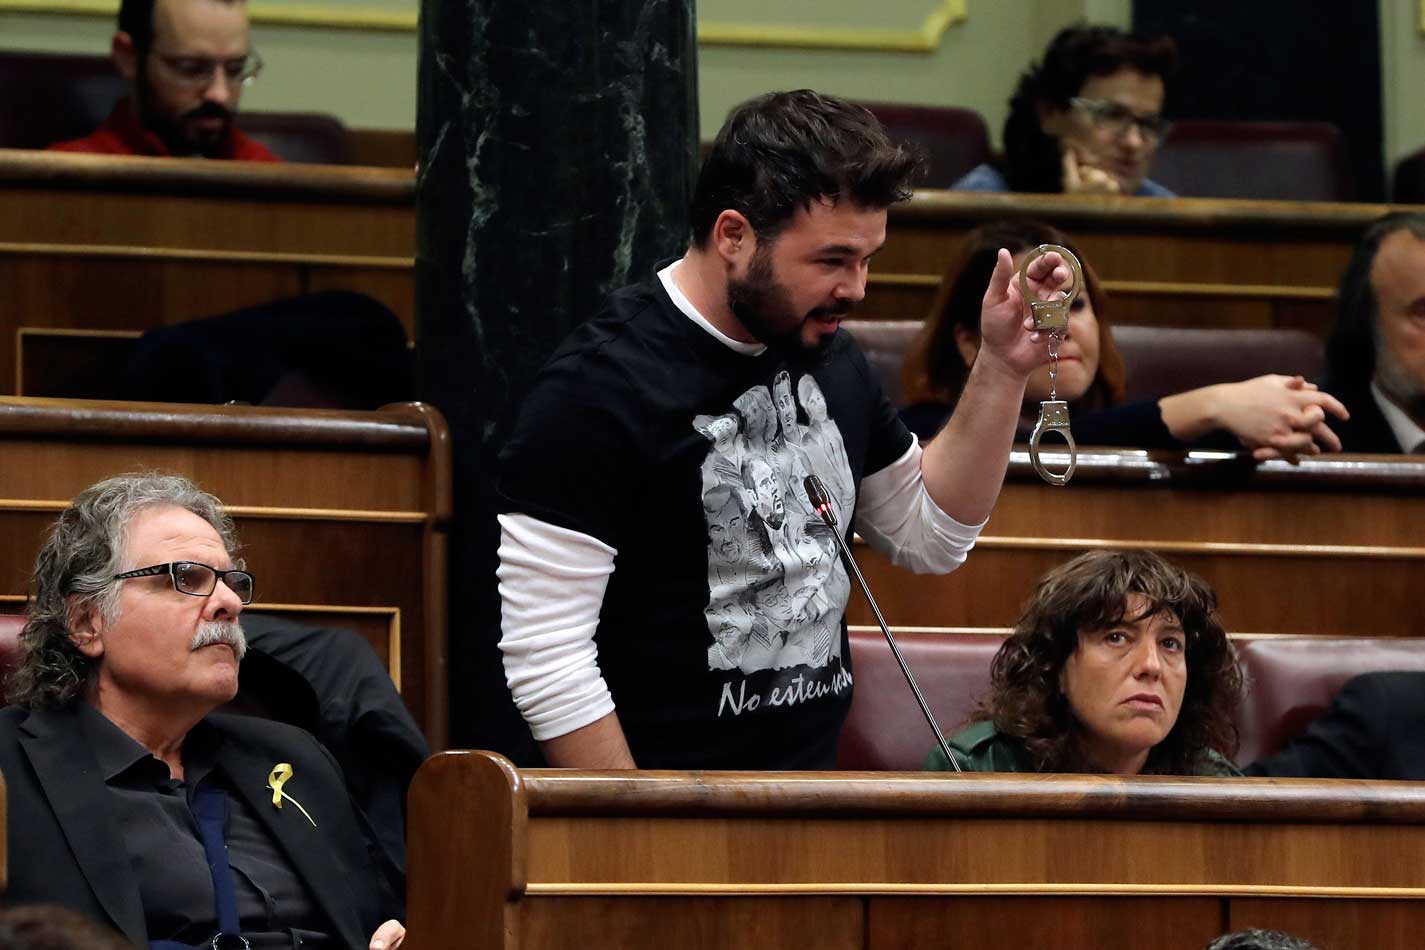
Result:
{"points": [[762, 305], [173, 132], [1395, 381]]}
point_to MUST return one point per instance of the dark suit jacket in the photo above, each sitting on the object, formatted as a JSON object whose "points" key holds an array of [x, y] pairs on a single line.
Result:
{"points": [[65, 850], [1366, 430], [1374, 729]]}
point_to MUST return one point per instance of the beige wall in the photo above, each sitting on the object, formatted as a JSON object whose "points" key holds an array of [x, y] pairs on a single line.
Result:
{"points": [[1403, 68]]}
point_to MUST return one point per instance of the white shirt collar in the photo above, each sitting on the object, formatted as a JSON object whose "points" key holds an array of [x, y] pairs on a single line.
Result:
{"points": [[684, 304], [1410, 436]]}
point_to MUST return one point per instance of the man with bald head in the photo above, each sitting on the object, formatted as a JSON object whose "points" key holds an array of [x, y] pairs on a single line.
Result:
{"points": [[186, 62], [130, 800], [1376, 355]]}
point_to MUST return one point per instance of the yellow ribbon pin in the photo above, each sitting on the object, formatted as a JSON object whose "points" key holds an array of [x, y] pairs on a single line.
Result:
{"points": [[281, 772]]}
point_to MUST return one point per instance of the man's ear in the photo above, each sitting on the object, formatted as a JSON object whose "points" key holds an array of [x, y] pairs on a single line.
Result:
{"points": [[125, 56], [86, 629], [733, 237], [967, 341]]}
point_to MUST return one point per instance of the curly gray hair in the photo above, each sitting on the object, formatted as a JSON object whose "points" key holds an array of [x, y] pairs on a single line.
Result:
{"points": [[75, 572]]}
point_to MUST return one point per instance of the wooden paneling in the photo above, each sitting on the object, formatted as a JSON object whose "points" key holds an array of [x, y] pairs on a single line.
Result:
{"points": [[974, 860], [660, 923], [1186, 262], [341, 515], [1020, 923], [1332, 546], [98, 243], [1345, 924]]}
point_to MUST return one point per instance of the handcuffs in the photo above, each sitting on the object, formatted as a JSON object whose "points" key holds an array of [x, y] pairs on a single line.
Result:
{"points": [[1053, 317]]}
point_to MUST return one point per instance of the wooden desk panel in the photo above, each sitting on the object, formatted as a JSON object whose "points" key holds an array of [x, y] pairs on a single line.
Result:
{"points": [[1331, 547], [101, 243], [338, 513], [1182, 262], [897, 859]]}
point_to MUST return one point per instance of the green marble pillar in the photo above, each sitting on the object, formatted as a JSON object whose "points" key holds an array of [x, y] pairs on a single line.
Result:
{"points": [[557, 143]]}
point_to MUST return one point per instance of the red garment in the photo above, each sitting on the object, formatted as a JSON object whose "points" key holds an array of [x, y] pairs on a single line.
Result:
{"points": [[122, 134]]}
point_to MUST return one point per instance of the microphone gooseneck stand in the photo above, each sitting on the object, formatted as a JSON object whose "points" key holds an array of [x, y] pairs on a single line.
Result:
{"points": [[816, 494]]}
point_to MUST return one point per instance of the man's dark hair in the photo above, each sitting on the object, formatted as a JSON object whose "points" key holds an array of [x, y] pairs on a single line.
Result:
{"points": [[1031, 158], [1088, 593], [785, 150], [1351, 350], [1260, 940], [136, 19]]}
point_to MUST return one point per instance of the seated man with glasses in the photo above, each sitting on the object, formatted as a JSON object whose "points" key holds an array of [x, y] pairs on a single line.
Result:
{"points": [[1086, 119], [186, 62], [129, 799]]}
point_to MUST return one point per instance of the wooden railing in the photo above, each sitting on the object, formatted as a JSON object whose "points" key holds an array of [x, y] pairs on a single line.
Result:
{"points": [[589, 860]]}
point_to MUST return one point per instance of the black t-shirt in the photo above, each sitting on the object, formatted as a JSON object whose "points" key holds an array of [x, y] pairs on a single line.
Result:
{"points": [[722, 632]]}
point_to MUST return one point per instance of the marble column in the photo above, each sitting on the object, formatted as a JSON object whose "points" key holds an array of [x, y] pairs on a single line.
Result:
{"points": [[557, 144]]}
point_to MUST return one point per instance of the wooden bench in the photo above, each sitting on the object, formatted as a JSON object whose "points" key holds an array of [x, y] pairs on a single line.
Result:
{"points": [[505, 858]]}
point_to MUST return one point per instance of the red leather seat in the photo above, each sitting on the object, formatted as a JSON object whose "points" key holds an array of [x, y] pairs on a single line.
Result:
{"points": [[955, 140], [1165, 360], [10, 627], [1292, 680], [885, 730], [1223, 158]]}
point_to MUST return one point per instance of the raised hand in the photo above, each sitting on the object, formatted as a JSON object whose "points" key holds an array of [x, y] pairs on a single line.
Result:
{"points": [[1082, 177], [1007, 331]]}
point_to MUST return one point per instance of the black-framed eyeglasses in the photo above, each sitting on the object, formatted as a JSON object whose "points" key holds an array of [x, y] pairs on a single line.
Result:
{"points": [[1116, 118], [197, 72], [200, 580]]}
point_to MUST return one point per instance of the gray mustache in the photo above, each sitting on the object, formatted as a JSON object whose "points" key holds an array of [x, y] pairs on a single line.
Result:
{"points": [[215, 631]]}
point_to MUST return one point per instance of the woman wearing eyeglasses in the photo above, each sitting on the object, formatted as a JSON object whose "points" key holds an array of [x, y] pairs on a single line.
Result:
{"points": [[1086, 119]]}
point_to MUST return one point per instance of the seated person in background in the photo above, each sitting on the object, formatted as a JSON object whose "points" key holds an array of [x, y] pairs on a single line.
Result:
{"points": [[186, 62], [1274, 416], [1375, 728], [1087, 119], [1375, 359], [1118, 665], [130, 800]]}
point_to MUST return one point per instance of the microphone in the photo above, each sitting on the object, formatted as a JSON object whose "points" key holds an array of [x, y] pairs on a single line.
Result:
{"points": [[821, 501]]}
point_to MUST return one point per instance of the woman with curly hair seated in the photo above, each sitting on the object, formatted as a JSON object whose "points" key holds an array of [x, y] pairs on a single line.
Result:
{"points": [[1118, 665]]}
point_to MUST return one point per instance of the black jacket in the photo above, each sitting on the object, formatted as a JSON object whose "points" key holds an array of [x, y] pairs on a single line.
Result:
{"points": [[64, 848]]}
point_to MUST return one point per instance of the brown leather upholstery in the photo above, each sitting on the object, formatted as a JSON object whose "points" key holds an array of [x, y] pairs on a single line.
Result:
{"points": [[311, 137], [1163, 360], [1291, 680], [885, 730], [1160, 360], [50, 97], [1221, 158], [885, 343], [10, 627], [954, 140]]}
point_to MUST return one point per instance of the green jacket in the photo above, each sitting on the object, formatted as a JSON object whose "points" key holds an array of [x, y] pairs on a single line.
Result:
{"points": [[979, 747]]}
